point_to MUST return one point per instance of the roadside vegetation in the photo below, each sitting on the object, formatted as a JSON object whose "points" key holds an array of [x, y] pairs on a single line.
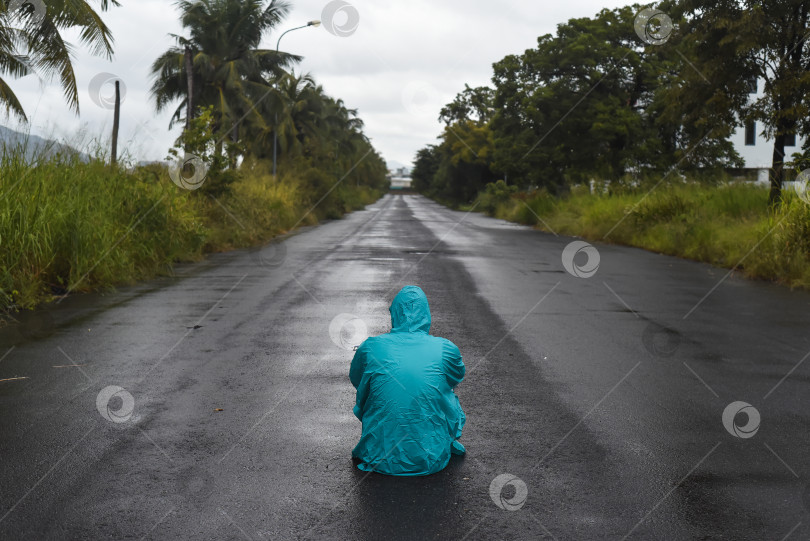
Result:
{"points": [[617, 128], [728, 225], [71, 223]]}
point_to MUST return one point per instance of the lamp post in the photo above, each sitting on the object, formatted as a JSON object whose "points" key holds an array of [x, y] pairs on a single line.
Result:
{"points": [[275, 127]]}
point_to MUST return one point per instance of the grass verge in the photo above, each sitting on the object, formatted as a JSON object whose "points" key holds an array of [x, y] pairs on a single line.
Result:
{"points": [[69, 225], [727, 225]]}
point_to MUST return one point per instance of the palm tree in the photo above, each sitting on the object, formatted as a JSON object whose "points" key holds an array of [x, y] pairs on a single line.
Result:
{"points": [[297, 102], [30, 44], [229, 71], [343, 133]]}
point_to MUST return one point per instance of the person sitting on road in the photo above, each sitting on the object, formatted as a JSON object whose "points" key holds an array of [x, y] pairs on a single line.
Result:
{"points": [[404, 379]]}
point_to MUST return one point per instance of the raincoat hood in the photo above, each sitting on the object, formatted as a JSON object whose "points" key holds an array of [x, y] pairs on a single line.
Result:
{"points": [[410, 311]]}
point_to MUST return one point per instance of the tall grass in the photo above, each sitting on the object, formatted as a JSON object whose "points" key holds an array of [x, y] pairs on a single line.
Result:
{"points": [[71, 225], [729, 225]]}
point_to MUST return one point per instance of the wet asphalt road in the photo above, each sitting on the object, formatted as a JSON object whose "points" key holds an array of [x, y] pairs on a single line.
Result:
{"points": [[603, 395]]}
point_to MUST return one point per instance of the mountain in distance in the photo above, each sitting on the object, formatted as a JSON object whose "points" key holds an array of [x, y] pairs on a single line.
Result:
{"points": [[393, 165], [34, 144]]}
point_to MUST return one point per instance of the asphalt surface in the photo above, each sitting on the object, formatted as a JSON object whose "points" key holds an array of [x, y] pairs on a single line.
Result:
{"points": [[232, 416]]}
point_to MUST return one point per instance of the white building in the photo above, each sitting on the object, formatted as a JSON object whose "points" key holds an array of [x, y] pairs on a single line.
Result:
{"points": [[754, 148], [400, 179]]}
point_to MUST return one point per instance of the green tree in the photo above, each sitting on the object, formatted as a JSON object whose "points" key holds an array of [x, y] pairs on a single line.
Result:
{"points": [[230, 72], [470, 104], [572, 108], [460, 165], [30, 44], [425, 167], [313, 125], [465, 167], [296, 105], [736, 42], [594, 101]]}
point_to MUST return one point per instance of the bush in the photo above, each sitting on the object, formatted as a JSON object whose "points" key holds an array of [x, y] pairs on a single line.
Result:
{"points": [[719, 223], [494, 195]]}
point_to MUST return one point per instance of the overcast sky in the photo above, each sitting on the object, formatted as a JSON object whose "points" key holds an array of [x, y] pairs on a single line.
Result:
{"points": [[404, 61]]}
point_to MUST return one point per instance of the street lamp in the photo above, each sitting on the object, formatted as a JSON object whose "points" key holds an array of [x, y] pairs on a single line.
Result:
{"points": [[275, 128]]}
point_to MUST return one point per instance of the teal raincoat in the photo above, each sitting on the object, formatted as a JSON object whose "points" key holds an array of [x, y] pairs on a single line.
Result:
{"points": [[404, 379]]}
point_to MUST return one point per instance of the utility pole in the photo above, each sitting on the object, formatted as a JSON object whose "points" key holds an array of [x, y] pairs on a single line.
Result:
{"points": [[190, 83], [116, 117]]}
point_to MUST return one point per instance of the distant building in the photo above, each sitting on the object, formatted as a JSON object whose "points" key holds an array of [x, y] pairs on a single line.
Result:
{"points": [[756, 150], [400, 178]]}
